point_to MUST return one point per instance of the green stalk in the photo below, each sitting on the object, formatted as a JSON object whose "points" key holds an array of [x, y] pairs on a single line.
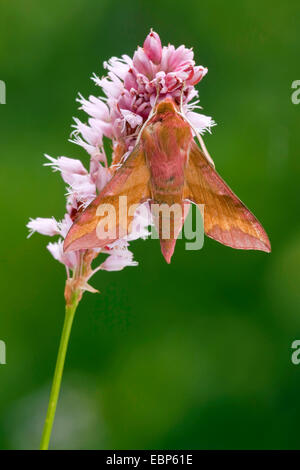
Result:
{"points": [[69, 317]]}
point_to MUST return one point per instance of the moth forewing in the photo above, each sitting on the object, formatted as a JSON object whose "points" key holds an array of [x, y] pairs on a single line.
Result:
{"points": [[131, 181], [226, 218]]}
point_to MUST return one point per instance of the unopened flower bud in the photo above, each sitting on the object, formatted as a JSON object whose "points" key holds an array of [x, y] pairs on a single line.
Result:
{"points": [[152, 47]]}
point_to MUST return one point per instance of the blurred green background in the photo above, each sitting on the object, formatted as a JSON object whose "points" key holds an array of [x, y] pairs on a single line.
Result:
{"points": [[194, 355]]}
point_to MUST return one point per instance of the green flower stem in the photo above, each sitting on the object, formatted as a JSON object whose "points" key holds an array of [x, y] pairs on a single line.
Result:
{"points": [[69, 317]]}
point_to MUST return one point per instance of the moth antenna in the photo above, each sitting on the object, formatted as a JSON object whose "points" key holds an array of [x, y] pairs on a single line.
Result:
{"points": [[151, 114], [201, 142], [181, 98], [204, 149], [120, 163]]}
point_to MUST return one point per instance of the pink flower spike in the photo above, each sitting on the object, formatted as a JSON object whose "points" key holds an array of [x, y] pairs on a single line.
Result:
{"points": [[152, 47], [132, 87], [43, 226]]}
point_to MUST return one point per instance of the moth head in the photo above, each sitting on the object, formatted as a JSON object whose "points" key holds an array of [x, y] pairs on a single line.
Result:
{"points": [[166, 106]]}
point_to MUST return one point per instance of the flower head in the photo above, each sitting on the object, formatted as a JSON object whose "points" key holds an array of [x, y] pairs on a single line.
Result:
{"points": [[131, 88]]}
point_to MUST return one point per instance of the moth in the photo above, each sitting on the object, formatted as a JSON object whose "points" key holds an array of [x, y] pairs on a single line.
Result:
{"points": [[167, 167]]}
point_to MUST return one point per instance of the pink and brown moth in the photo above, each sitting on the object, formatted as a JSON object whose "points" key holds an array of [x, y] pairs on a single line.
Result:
{"points": [[168, 167]]}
